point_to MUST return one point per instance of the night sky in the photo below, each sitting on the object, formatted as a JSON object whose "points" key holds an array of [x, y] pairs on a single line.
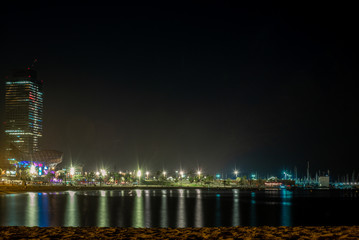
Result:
{"points": [[212, 85]]}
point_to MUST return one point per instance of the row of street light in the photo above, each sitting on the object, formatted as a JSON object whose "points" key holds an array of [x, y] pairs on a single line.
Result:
{"points": [[102, 172], [164, 173]]}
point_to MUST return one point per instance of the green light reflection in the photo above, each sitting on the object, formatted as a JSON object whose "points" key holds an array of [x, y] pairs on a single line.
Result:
{"points": [[253, 214], [102, 211], [164, 220], [147, 209], [71, 217], [138, 210]]}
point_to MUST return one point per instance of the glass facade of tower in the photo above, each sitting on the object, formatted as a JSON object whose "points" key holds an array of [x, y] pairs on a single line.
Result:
{"points": [[23, 112]]}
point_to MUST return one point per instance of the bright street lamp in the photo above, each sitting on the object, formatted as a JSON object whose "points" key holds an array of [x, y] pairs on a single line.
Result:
{"points": [[287, 175], [32, 169], [147, 173], [103, 172], [236, 173], [72, 171], [139, 173]]}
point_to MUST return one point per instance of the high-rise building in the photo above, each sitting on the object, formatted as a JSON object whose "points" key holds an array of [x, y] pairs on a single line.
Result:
{"points": [[23, 112]]}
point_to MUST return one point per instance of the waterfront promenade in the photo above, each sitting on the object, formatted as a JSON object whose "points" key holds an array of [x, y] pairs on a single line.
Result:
{"points": [[57, 188], [4, 189], [8, 189]]}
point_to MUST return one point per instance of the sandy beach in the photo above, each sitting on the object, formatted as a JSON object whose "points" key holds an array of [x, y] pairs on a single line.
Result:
{"points": [[319, 232]]}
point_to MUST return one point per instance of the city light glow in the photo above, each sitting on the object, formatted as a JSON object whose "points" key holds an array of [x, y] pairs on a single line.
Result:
{"points": [[32, 169]]}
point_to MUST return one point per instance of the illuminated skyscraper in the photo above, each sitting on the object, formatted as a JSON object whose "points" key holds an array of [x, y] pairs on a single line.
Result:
{"points": [[23, 112]]}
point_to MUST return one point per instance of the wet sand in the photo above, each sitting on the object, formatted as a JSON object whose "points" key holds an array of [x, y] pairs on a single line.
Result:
{"points": [[321, 232]]}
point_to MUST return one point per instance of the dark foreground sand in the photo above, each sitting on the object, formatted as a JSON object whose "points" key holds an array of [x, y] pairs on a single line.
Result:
{"points": [[341, 232]]}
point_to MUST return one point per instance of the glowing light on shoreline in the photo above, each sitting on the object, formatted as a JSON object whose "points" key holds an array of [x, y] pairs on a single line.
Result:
{"points": [[32, 169]]}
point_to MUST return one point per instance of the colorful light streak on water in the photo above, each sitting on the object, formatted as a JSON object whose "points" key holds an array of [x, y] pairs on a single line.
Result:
{"points": [[177, 208]]}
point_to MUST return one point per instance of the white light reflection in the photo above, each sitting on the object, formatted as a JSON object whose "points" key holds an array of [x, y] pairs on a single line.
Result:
{"points": [[120, 219], [235, 214], [163, 220], [180, 191], [13, 211], [102, 211], [138, 210], [198, 219], [71, 212], [31, 213], [147, 209], [181, 210]]}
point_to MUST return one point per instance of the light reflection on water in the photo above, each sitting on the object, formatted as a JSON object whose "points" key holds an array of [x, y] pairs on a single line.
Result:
{"points": [[163, 220], [147, 211], [31, 218], [102, 211], [181, 210], [198, 210], [138, 210], [218, 210], [13, 203], [286, 217], [167, 208], [235, 218], [253, 215], [71, 215]]}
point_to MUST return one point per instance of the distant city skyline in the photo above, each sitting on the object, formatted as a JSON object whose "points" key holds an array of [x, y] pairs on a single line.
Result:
{"points": [[262, 87]]}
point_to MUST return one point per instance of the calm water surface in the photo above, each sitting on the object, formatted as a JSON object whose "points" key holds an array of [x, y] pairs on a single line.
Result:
{"points": [[179, 208]]}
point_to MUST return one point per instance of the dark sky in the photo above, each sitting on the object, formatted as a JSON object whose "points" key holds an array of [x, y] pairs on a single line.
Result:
{"points": [[211, 85]]}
